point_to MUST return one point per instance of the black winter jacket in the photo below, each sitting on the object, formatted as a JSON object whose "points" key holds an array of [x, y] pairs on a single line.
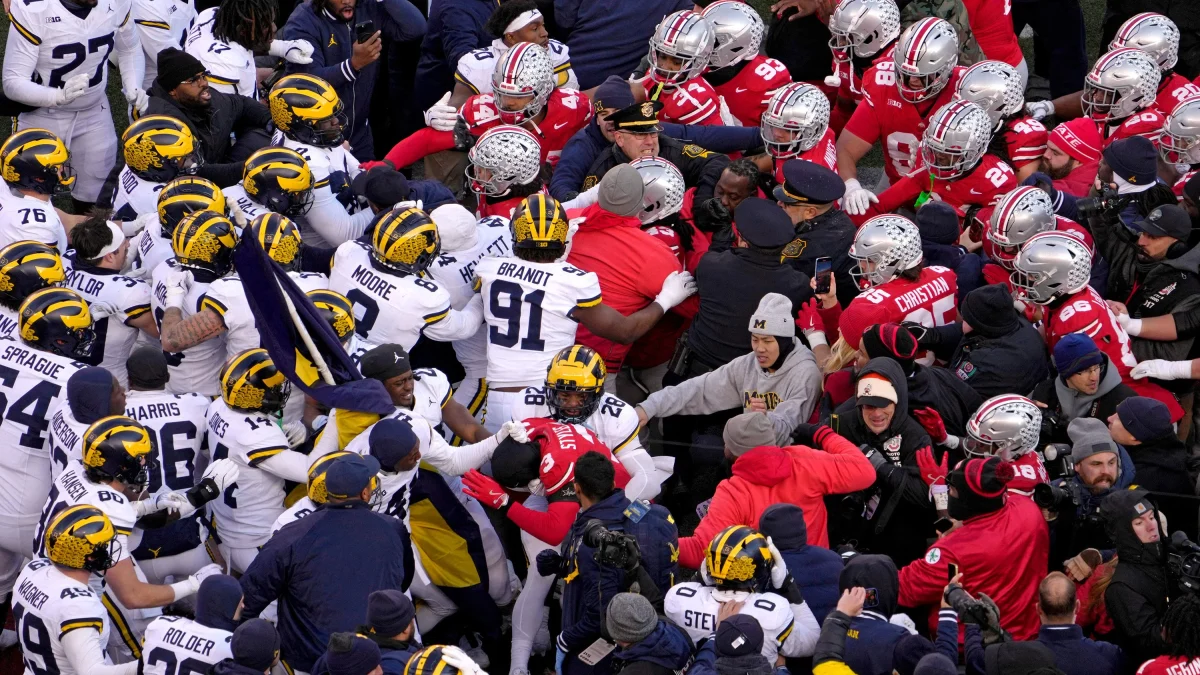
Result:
{"points": [[700, 168], [1136, 598], [1162, 468], [1008, 359]]}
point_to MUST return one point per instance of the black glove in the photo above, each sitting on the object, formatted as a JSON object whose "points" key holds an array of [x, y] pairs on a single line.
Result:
{"points": [[924, 335], [791, 590], [712, 216], [464, 140], [204, 492], [805, 434], [549, 562]]}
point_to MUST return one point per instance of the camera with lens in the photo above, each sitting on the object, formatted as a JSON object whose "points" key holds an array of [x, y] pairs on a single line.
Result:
{"points": [[1053, 498], [1183, 561], [1108, 202], [613, 549], [982, 612]]}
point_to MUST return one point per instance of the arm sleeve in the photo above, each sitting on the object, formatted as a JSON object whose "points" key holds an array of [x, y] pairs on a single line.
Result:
{"points": [[718, 138], [419, 144], [645, 480], [705, 660], [224, 174], [265, 577], [330, 220], [801, 641], [20, 64], [129, 56], [796, 407], [405, 21], [596, 596], [1114, 246], [903, 193], [921, 583], [455, 461], [844, 468], [1187, 323], [253, 114], [288, 465], [551, 525], [701, 395], [155, 35], [337, 74], [458, 324], [947, 634], [86, 654], [832, 644]]}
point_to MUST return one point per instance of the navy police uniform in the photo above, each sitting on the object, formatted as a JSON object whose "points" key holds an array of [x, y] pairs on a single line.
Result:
{"points": [[830, 234]]}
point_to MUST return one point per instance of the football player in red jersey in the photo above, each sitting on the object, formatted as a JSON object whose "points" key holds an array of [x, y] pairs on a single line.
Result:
{"points": [[1118, 93], [796, 126], [1017, 138], [505, 168], [897, 286], [1020, 215], [523, 94], [863, 34], [898, 97], [679, 51], [1008, 426], [955, 165], [1179, 144], [742, 76]]}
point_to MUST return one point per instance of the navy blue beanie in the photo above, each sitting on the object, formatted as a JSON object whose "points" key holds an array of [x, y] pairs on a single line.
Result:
{"points": [[1134, 159], [350, 654], [1146, 419], [89, 394], [217, 601], [613, 93], [1076, 353], [909, 651], [938, 223]]}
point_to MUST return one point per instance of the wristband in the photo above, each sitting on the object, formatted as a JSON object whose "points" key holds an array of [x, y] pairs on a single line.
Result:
{"points": [[185, 588], [951, 442], [1133, 327], [204, 492], [941, 496], [816, 338]]}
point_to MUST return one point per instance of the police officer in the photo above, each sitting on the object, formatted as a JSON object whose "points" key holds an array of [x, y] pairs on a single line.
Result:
{"points": [[808, 195], [636, 134]]}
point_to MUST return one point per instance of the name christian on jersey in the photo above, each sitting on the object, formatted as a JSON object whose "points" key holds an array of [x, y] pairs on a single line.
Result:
{"points": [[914, 298]]}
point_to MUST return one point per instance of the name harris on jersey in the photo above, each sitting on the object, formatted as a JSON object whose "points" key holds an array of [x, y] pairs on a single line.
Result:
{"points": [[153, 411]]}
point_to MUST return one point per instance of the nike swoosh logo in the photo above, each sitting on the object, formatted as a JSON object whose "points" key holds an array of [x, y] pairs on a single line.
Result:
{"points": [[739, 90], [975, 192], [561, 125]]}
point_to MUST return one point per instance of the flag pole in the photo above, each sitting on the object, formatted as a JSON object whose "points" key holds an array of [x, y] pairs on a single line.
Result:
{"points": [[318, 360]]}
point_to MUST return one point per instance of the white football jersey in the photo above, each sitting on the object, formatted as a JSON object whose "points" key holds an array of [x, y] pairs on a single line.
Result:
{"points": [[528, 308], [33, 382], [195, 369], [395, 488], [455, 272], [46, 605], [176, 423], [160, 24], [114, 336], [337, 214], [134, 196], [66, 437], [230, 65], [173, 644], [693, 608], [475, 68], [615, 422], [227, 297], [71, 488], [431, 393], [149, 248], [237, 200], [68, 45], [387, 308], [29, 218], [301, 509], [246, 509], [8, 323]]}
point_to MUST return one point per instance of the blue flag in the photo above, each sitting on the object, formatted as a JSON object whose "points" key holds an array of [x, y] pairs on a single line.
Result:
{"points": [[265, 284]]}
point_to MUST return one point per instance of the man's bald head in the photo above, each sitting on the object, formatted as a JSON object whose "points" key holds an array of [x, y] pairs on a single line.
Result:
{"points": [[1056, 599]]}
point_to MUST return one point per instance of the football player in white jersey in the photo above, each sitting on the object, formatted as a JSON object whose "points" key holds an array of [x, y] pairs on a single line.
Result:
{"points": [[56, 60], [275, 180], [741, 566], [101, 250], [315, 494], [464, 243], [54, 334], [574, 394], [35, 166], [117, 458], [28, 266], [61, 622], [243, 426], [157, 149], [203, 245], [225, 38], [160, 24], [385, 281], [533, 301], [309, 119], [177, 199], [175, 644]]}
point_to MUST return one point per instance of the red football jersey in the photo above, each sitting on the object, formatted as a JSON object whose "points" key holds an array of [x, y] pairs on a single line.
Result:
{"points": [[1026, 140], [1181, 182], [567, 111], [1172, 91], [562, 445], [1147, 122], [986, 183], [823, 153], [991, 22], [1085, 312], [931, 300], [1170, 665], [1029, 471], [693, 102], [669, 237], [747, 93], [884, 116], [850, 88], [503, 208]]}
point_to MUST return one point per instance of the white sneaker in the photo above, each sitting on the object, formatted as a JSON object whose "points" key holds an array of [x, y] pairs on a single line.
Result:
{"points": [[8, 638]]}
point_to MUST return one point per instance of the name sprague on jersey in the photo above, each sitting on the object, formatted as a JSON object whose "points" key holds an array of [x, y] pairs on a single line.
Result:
{"points": [[30, 359]]}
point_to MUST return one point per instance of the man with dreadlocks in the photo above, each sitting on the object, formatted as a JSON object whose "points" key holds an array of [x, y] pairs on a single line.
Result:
{"points": [[226, 37], [1181, 630]]}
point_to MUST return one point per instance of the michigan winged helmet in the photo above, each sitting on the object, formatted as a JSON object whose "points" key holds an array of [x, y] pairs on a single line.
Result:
{"points": [[36, 160], [158, 148], [738, 559], [540, 223], [250, 382], [184, 195], [308, 110], [118, 448], [203, 242], [81, 537], [578, 373], [405, 241], [25, 267], [57, 320]]}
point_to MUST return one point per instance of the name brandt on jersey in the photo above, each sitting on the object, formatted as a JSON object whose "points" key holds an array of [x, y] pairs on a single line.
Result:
{"points": [[373, 282], [32, 594], [29, 359], [523, 273], [192, 643], [922, 294], [153, 411]]}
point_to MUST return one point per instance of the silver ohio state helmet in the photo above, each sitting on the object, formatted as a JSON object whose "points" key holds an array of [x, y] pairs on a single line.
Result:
{"points": [[1021, 214], [1179, 142], [891, 244], [510, 154], [664, 188], [524, 71], [738, 30], [927, 50], [1152, 33], [955, 140], [795, 120], [1121, 83], [1050, 265], [994, 86], [862, 28], [684, 35], [1006, 426]]}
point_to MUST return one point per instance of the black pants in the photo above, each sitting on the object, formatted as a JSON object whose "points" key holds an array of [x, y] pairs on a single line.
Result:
{"points": [[1060, 53]]}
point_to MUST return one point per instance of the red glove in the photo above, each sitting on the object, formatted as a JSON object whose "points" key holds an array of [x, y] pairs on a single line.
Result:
{"points": [[485, 489], [932, 472], [933, 424], [367, 166], [808, 318]]}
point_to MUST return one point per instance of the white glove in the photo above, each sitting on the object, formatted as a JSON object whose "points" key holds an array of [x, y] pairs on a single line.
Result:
{"points": [[857, 199], [73, 88], [138, 99], [178, 282], [779, 570], [440, 116], [456, 657], [176, 502], [905, 622], [514, 430], [1160, 369], [1132, 326], [132, 228], [1039, 110], [224, 472], [676, 288], [101, 309], [411, 204], [138, 272], [295, 432], [239, 219], [292, 51]]}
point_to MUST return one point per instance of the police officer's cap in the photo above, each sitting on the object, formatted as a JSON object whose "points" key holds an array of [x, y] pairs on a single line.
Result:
{"points": [[805, 182], [639, 118], [762, 223]]}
